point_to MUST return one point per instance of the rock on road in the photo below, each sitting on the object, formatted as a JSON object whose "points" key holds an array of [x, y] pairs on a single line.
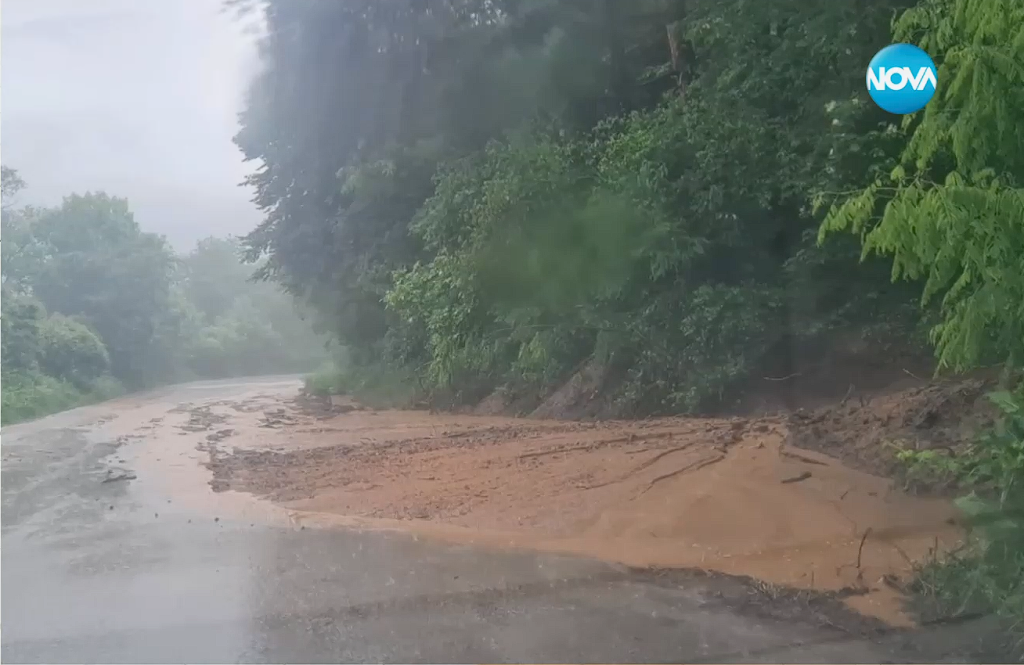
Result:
{"points": [[100, 564]]}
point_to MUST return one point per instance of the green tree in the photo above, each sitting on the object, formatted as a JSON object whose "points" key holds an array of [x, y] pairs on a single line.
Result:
{"points": [[10, 184], [214, 276], [951, 212], [70, 350], [98, 265], [535, 183], [20, 251], [21, 319]]}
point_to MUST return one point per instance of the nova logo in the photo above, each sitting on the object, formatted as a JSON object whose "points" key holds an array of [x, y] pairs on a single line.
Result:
{"points": [[901, 78]]}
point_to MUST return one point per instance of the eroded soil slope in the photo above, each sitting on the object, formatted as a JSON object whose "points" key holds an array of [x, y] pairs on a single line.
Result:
{"points": [[732, 495]]}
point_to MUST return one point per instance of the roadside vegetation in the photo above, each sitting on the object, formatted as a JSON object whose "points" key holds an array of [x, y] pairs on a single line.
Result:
{"points": [[490, 195], [93, 306]]}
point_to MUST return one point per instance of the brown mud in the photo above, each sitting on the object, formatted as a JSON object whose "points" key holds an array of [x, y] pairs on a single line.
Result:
{"points": [[730, 495]]}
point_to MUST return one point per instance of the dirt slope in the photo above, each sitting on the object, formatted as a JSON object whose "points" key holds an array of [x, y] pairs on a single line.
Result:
{"points": [[731, 495]]}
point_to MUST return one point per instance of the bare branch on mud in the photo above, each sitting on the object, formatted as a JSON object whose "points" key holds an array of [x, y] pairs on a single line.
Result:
{"points": [[806, 460], [631, 438], [699, 464], [782, 378], [796, 479], [640, 467], [860, 549]]}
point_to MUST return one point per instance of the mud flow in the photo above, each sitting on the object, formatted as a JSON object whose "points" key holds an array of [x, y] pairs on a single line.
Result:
{"points": [[733, 495]]}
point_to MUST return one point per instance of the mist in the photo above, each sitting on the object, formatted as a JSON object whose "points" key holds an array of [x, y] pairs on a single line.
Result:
{"points": [[122, 264], [139, 99]]}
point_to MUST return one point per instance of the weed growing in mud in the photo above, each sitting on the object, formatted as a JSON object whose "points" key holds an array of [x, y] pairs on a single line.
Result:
{"points": [[324, 381], [988, 572]]}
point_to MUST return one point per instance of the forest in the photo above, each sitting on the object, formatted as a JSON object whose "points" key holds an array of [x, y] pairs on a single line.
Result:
{"points": [[93, 306], [488, 195]]}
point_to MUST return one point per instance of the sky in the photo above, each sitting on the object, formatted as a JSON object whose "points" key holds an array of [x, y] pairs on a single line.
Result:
{"points": [[138, 98]]}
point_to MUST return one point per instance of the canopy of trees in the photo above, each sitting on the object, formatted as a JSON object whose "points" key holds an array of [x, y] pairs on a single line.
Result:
{"points": [[92, 304], [494, 192]]}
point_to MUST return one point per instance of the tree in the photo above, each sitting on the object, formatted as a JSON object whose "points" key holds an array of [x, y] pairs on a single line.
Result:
{"points": [[70, 350], [99, 266], [214, 276], [416, 85], [22, 318], [10, 184], [20, 251], [951, 212]]}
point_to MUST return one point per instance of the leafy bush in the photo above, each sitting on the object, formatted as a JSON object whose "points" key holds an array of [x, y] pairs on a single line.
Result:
{"points": [[375, 385], [325, 381], [21, 320], [30, 394], [988, 574], [690, 350], [71, 351]]}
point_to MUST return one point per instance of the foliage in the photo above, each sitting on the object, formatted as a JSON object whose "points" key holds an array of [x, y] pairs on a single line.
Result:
{"points": [[30, 394], [70, 351], [239, 326], [950, 212], [378, 386], [10, 184], [87, 294], [21, 320], [49, 362], [99, 266], [536, 184], [989, 572], [213, 276], [691, 352]]}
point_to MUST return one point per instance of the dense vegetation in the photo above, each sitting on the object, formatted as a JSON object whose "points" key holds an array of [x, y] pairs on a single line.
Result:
{"points": [[92, 305], [491, 194], [530, 185]]}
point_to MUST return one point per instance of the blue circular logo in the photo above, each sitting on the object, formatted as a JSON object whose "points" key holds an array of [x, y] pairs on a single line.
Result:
{"points": [[901, 78]]}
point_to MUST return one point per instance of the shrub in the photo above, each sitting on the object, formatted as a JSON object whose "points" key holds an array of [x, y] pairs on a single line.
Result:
{"points": [[374, 384], [22, 317], [988, 574], [72, 351]]}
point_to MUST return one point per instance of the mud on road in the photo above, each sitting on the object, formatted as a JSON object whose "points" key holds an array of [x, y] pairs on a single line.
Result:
{"points": [[730, 495]]}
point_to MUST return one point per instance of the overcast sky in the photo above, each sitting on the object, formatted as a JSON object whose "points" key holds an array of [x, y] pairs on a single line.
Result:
{"points": [[135, 97]]}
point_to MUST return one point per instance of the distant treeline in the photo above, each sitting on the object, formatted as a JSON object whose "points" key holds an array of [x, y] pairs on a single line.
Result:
{"points": [[92, 306]]}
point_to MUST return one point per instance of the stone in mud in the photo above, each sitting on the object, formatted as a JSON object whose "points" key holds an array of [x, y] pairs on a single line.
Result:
{"points": [[116, 474]]}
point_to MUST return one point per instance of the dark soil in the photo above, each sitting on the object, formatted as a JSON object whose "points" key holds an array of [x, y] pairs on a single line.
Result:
{"points": [[867, 432]]}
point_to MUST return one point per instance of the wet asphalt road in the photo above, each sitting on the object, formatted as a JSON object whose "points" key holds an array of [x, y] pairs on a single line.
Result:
{"points": [[102, 572]]}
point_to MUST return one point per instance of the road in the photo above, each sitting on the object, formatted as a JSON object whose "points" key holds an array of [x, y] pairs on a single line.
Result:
{"points": [[128, 571]]}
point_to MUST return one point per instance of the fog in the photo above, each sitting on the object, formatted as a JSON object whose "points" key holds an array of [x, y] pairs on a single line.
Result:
{"points": [[137, 98]]}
